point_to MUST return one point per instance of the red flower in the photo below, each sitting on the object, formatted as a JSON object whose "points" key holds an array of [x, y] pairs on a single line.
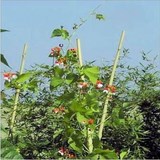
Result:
{"points": [[110, 88], [83, 85], [90, 121], [56, 110], [63, 151], [61, 62], [55, 52], [8, 76], [72, 50], [99, 84], [71, 155]]}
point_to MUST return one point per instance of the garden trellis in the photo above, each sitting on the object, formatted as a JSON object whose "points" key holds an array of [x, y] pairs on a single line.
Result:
{"points": [[105, 109]]}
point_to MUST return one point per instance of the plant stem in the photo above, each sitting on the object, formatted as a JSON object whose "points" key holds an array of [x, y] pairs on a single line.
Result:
{"points": [[83, 21], [18, 90], [53, 61], [89, 140], [105, 109]]}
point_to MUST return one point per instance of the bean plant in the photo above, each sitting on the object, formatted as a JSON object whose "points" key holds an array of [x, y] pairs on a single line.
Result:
{"points": [[60, 108]]}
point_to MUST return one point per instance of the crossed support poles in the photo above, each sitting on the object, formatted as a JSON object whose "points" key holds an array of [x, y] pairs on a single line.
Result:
{"points": [[105, 109]]}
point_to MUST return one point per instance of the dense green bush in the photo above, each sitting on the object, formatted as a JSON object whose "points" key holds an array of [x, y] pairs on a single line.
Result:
{"points": [[53, 112]]}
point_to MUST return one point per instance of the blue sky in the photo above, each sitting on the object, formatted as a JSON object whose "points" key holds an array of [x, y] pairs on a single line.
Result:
{"points": [[32, 22]]}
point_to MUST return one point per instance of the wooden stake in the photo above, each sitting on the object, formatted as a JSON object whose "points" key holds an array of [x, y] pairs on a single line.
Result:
{"points": [[105, 109], [79, 52], [89, 131], [18, 90]]}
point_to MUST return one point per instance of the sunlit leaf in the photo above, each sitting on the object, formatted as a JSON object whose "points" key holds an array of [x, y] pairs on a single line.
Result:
{"points": [[65, 34], [122, 155], [60, 33], [77, 107], [92, 73], [24, 77], [56, 33], [56, 81], [80, 118]]}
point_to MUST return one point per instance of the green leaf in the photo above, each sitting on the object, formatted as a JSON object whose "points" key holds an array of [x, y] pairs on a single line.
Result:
{"points": [[122, 155], [77, 107], [92, 73], [65, 34], [75, 141], [96, 142], [18, 157], [74, 146], [57, 132], [100, 17], [70, 78], [109, 154], [56, 81], [10, 154], [56, 33], [127, 104], [59, 72], [4, 132], [4, 61], [96, 157], [9, 151], [67, 96], [4, 30], [60, 33], [80, 117], [24, 77], [33, 85], [69, 131], [2, 95]]}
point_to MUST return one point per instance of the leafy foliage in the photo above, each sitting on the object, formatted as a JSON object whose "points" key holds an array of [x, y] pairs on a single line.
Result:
{"points": [[150, 107], [60, 33], [100, 17], [54, 112], [8, 151], [4, 61]]}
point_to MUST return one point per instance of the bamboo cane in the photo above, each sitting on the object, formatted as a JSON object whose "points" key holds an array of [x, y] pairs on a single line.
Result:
{"points": [[105, 109], [79, 52], [89, 131], [18, 90]]}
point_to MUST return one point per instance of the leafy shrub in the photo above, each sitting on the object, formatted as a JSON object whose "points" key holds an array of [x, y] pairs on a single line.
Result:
{"points": [[55, 111]]}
